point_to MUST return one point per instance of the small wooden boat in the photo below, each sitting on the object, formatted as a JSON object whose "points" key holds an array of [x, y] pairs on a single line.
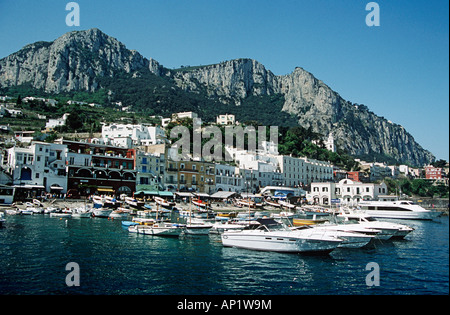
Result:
{"points": [[134, 202], [164, 203], [272, 203], [200, 203]]}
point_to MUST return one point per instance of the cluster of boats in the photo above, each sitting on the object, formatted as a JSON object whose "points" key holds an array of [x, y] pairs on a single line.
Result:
{"points": [[298, 229]]}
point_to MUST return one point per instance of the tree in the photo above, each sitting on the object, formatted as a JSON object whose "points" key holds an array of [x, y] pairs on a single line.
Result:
{"points": [[74, 121]]}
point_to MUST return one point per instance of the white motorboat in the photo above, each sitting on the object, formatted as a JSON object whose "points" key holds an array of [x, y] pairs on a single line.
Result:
{"points": [[350, 239], [50, 210], [112, 202], [12, 211], [401, 230], [158, 229], [61, 215], [81, 212], [2, 218], [102, 212], [400, 209], [36, 210], [197, 227], [120, 213], [97, 200], [273, 236], [233, 225], [27, 211]]}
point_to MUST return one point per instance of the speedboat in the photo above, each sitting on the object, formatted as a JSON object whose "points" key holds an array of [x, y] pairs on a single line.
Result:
{"points": [[273, 236], [197, 227], [27, 211], [158, 229], [50, 210], [102, 212], [36, 210], [81, 212], [400, 209], [350, 239], [400, 230], [119, 213]]}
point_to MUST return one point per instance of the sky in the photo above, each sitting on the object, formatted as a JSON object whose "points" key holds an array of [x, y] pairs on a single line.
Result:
{"points": [[399, 69]]}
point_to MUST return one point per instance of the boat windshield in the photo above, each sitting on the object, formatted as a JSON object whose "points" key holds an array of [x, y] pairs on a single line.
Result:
{"points": [[271, 225]]}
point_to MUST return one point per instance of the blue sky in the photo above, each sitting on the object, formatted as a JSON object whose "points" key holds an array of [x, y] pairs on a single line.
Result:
{"points": [[400, 70]]}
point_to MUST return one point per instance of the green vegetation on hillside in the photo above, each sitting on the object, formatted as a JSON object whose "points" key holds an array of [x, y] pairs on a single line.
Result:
{"points": [[417, 188]]}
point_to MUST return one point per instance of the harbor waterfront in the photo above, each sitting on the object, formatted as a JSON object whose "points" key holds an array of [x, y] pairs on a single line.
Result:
{"points": [[35, 250]]}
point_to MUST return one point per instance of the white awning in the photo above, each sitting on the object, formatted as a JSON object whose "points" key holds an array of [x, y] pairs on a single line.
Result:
{"points": [[223, 194]]}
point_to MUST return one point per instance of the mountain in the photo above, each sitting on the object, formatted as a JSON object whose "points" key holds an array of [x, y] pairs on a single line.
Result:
{"points": [[92, 61]]}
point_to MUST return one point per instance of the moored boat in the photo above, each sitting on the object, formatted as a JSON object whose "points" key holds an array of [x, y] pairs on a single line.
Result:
{"points": [[163, 202], [400, 230], [158, 229], [60, 215], [400, 209], [273, 236], [133, 202], [101, 212]]}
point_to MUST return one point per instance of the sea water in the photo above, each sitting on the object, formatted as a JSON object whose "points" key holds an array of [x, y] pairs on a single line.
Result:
{"points": [[35, 250]]}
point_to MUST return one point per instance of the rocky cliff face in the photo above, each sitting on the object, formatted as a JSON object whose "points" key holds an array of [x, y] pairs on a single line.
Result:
{"points": [[315, 105], [73, 61]]}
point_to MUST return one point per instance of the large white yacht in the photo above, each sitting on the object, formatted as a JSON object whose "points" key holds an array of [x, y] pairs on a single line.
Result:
{"points": [[273, 236], [400, 209]]}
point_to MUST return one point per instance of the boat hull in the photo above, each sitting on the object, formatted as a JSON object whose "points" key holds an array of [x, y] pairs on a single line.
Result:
{"points": [[284, 243], [167, 230], [193, 229], [405, 215], [102, 213]]}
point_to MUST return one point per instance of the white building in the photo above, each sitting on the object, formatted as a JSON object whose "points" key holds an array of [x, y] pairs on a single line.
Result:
{"points": [[303, 171], [139, 134], [52, 123], [347, 191], [227, 119], [273, 169], [150, 171], [41, 165], [228, 178]]}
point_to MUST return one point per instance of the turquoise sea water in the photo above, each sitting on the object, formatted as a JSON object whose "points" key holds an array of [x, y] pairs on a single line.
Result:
{"points": [[34, 251]]}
